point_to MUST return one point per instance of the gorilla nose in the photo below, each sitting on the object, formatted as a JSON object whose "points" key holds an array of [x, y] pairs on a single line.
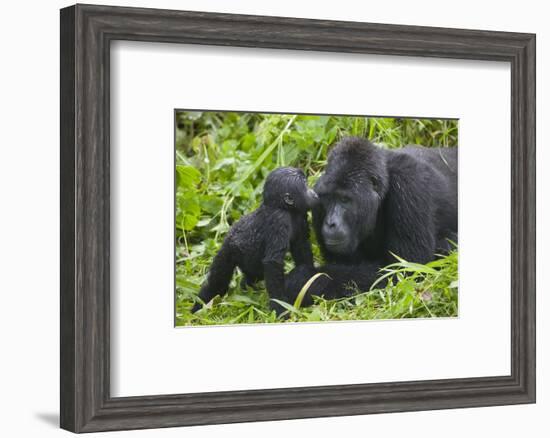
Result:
{"points": [[332, 232]]}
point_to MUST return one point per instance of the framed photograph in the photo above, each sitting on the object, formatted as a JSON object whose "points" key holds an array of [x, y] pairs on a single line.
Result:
{"points": [[270, 218]]}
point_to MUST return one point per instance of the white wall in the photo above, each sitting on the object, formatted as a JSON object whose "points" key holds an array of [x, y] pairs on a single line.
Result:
{"points": [[29, 230]]}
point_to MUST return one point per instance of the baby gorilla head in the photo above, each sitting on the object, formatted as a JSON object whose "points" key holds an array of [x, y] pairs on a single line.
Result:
{"points": [[286, 187]]}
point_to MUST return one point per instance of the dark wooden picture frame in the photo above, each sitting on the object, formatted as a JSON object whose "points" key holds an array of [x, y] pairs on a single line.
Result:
{"points": [[86, 33]]}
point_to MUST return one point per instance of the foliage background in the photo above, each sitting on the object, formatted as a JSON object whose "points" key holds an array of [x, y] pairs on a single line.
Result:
{"points": [[222, 159]]}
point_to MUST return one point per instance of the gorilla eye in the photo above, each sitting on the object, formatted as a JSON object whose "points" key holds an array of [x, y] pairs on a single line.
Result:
{"points": [[288, 199], [374, 181], [344, 199]]}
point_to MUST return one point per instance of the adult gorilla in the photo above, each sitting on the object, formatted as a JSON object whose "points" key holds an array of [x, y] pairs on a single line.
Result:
{"points": [[375, 202]]}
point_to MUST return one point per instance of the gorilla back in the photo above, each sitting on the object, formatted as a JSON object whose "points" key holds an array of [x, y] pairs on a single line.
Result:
{"points": [[374, 202]]}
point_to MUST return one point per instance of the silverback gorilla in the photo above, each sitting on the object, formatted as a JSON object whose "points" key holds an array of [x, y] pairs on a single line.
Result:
{"points": [[259, 241], [374, 202]]}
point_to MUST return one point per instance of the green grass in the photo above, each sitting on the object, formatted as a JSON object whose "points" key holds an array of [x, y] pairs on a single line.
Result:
{"points": [[415, 291], [222, 160]]}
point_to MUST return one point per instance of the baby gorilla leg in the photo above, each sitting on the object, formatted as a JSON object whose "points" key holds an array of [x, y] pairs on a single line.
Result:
{"points": [[219, 277]]}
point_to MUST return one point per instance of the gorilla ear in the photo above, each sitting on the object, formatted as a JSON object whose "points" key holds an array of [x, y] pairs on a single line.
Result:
{"points": [[288, 199]]}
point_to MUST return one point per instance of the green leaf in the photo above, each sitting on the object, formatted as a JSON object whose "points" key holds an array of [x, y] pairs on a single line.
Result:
{"points": [[305, 288], [187, 176], [244, 299], [287, 306]]}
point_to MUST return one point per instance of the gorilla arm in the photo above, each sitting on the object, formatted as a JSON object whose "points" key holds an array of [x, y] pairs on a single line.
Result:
{"points": [[343, 280], [300, 247]]}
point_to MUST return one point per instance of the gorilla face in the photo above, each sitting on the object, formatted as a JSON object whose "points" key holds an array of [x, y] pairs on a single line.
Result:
{"points": [[348, 217], [351, 192]]}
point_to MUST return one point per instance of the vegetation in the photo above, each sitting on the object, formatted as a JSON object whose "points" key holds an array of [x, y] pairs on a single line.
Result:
{"points": [[222, 159]]}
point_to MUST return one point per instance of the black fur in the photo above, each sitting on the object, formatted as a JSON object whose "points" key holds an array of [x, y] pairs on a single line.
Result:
{"points": [[374, 202], [258, 242]]}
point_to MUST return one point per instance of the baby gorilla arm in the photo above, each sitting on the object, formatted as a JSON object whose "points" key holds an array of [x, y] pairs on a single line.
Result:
{"points": [[275, 279], [300, 247]]}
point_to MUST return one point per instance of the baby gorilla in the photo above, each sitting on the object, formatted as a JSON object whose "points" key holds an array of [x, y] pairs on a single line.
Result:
{"points": [[259, 241]]}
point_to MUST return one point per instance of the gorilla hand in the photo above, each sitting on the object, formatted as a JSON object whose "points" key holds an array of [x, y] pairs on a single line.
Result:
{"points": [[340, 280], [299, 276]]}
